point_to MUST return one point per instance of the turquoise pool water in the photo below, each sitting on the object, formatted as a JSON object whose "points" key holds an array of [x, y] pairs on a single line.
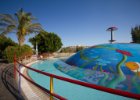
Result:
{"points": [[66, 89]]}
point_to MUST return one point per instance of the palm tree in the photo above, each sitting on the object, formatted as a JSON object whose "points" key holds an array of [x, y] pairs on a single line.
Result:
{"points": [[21, 24]]}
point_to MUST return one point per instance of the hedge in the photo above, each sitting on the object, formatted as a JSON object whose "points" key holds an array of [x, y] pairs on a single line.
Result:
{"points": [[21, 52]]}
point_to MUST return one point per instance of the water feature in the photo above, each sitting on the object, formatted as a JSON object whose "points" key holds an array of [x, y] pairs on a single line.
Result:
{"points": [[110, 65], [66, 89]]}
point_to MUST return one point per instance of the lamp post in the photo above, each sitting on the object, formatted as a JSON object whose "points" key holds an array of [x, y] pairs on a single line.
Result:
{"points": [[111, 29], [36, 47]]}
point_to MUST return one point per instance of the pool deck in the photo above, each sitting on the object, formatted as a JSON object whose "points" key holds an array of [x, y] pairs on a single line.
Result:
{"points": [[4, 92], [10, 91], [30, 91]]}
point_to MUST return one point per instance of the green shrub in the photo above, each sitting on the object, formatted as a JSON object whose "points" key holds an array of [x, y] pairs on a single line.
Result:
{"points": [[4, 43], [21, 52]]}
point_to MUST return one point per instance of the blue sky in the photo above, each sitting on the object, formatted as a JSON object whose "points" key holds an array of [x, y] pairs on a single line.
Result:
{"points": [[80, 22]]}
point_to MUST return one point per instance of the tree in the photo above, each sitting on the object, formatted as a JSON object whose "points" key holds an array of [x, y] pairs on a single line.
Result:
{"points": [[24, 52], [47, 42], [21, 24], [4, 43], [135, 32], [78, 48]]}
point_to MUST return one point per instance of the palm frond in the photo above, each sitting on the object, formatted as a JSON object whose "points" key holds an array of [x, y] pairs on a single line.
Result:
{"points": [[20, 14], [1, 30], [35, 27], [8, 29], [11, 27], [29, 15], [6, 18], [3, 24]]}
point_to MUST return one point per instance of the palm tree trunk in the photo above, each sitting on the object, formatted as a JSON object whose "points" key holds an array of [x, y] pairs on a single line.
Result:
{"points": [[21, 40]]}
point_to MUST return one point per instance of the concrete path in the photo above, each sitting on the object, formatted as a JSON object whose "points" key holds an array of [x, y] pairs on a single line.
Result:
{"points": [[8, 88], [30, 91]]}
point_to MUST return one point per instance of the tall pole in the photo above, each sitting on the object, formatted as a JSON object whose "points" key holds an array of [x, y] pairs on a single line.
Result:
{"points": [[111, 36], [36, 49], [111, 29]]}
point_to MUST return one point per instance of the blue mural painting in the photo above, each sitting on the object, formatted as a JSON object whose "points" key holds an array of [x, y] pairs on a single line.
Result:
{"points": [[115, 66]]}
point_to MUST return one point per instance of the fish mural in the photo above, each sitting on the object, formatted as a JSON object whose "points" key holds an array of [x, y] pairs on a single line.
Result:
{"points": [[114, 66], [121, 77], [134, 66]]}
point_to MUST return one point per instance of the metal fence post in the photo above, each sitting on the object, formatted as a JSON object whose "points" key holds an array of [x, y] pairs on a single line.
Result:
{"points": [[19, 80], [15, 67], [51, 88]]}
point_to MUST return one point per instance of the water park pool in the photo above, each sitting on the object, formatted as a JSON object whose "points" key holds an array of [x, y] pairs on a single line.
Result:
{"points": [[114, 66], [66, 89]]}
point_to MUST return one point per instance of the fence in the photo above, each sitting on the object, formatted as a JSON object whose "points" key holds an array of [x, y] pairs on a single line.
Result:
{"points": [[52, 76]]}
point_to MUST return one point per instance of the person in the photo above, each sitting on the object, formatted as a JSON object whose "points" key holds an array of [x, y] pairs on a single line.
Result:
{"points": [[41, 57]]}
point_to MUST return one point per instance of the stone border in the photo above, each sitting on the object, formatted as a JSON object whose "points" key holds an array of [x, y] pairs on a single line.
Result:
{"points": [[30, 91]]}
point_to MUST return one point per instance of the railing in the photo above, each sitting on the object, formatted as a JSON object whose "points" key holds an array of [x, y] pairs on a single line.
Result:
{"points": [[51, 91]]}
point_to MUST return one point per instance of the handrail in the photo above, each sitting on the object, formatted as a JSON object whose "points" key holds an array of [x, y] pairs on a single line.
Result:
{"points": [[42, 88], [85, 84]]}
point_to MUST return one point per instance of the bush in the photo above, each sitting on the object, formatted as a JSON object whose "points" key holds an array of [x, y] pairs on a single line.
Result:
{"points": [[21, 52], [4, 43]]}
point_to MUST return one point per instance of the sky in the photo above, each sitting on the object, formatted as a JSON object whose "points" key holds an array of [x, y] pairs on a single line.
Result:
{"points": [[80, 22]]}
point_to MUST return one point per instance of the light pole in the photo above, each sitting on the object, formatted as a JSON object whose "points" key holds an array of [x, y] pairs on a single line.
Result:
{"points": [[111, 29], [36, 49]]}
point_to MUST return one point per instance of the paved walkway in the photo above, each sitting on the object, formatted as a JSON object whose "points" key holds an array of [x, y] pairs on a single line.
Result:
{"points": [[30, 91], [8, 88]]}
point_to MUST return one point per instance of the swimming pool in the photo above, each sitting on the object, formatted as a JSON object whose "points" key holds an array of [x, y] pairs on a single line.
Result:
{"points": [[66, 89]]}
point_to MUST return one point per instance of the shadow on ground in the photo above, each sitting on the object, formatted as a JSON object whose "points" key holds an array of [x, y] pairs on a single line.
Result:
{"points": [[8, 88]]}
